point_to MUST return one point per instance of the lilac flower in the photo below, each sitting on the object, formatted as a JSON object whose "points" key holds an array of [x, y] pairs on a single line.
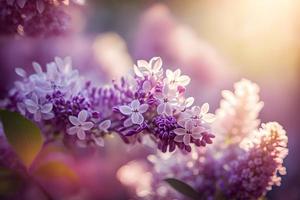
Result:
{"points": [[175, 79], [103, 127], [80, 125], [135, 111], [199, 115], [167, 99], [38, 109], [151, 69], [189, 131]]}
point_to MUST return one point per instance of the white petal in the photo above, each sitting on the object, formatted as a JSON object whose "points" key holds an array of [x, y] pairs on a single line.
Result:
{"points": [[143, 108], [187, 139], [184, 80], [177, 73], [137, 71], [98, 140], [126, 110], [37, 116], [47, 108], [156, 63], [180, 131], [105, 125], [147, 86], [169, 74], [87, 126], [80, 134], [137, 118], [73, 130], [135, 104], [189, 102], [178, 138], [204, 108], [82, 116], [142, 63], [209, 117], [21, 72], [74, 120], [37, 67]]}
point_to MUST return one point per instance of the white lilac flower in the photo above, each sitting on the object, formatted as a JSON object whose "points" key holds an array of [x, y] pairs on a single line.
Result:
{"points": [[153, 68], [103, 127], [189, 131], [198, 115], [80, 125], [167, 100], [135, 111], [38, 108], [175, 79]]}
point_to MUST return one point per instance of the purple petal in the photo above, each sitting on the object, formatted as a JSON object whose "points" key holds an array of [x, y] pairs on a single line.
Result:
{"points": [[21, 72], [127, 122], [47, 116], [37, 116], [98, 140], [161, 108], [178, 138]]}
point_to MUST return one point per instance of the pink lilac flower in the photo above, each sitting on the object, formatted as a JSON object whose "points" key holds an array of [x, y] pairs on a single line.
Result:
{"points": [[135, 111], [80, 125], [143, 104], [188, 132]]}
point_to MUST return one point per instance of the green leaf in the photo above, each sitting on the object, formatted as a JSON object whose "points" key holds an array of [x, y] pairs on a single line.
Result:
{"points": [[183, 188], [23, 135]]}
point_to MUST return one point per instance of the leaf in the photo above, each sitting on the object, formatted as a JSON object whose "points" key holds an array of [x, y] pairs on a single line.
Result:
{"points": [[23, 135], [183, 188]]}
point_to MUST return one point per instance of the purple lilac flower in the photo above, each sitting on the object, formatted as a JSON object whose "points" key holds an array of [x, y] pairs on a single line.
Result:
{"points": [[146, 103], [33, 17]]}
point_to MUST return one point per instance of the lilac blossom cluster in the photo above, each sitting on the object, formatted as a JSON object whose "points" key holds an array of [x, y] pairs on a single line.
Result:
{"points": [[146, 103], [33, 17], [247, 168]]}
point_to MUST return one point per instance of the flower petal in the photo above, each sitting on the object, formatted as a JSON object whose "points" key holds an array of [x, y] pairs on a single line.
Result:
{"points": [[180, 131], [126, 110], [127, 122], [98, 140], [177, 73], [37, 116], [189, 125], [204, 108], [135, 104], [137, 71], [143, 108], [169, 74], [21, 72], [47, 116], [187, 139], [209, 117], [73, 130], [178, 138], [37, 67], [82, 116], [160, 108], [74, 120], [87, 126], [189, 102], [105, 125], [137, 118], [168, 109], [156, 63], [184, 80], [196, 135], [47, 108], [81, 134]]}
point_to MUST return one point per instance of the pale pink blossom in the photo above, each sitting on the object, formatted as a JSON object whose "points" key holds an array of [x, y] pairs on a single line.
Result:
{"points": [[135, 111], [80, 125]]}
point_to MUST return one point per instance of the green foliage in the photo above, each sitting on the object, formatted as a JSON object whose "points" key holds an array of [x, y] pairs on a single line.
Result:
{"points": [[183, 188], [23, 135]]}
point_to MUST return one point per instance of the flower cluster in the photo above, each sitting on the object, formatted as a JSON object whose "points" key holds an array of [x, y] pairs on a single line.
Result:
{"points": [[61, 102], [246, 169], [33, 17]]}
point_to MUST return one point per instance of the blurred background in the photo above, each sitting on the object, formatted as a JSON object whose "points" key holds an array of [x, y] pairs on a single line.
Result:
{"points": [[216, 42]]}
